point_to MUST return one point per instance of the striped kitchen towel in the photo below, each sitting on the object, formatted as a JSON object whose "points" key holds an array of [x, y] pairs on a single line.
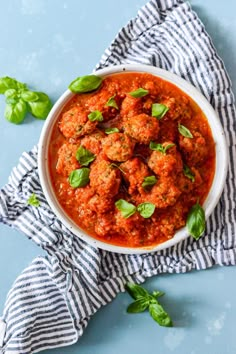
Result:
{"points": [[52, 301]]}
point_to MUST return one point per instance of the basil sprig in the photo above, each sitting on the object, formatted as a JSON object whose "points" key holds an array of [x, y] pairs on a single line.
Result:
{"points": [[149, 181], [112, 103], [111, 130], [21, 100], [84, 156], [196, 222], [184, 131], [140, 92], [159, 110], [127, 209], [79, 178], [188, 173], [145, 300], [85, 83], [160, 147], [33, 200], [146, 209], [95, 116]]}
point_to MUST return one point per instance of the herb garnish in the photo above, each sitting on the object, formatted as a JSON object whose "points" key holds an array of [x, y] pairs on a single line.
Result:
{"points": [[33, 200], [184, 131], [196, 222], [160, 147], [146, 209], [143, 300], [140, 92], [79, 178], [21, 100], [149, 181], [159, 110], [188, 173], [95, 116], [85, 83], [127, 209], [84, 156], [112, 102], [117, 166], [111, 130]]}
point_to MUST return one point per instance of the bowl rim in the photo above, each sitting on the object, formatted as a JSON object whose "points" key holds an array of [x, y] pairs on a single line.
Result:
{"points": [[221, 165]]}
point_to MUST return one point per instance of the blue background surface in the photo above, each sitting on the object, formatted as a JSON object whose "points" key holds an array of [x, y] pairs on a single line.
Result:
{"points": [[47, 44]]}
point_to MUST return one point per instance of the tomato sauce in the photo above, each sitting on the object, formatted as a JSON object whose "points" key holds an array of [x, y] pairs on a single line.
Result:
{"points": [[181, 164]]}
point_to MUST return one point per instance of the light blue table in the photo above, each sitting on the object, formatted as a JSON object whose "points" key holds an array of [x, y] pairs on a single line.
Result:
{"points": [[47, 44]]}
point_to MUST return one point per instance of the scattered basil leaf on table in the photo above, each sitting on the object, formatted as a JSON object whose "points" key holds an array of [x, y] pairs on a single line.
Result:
{"points": [[184, 131], [84, 156], [79, 178], [112, 102], [159, 147], [159, 110], [127, 209], [146, 209], [95, 116], [149, 181], [144, 300], [111, 130], [138, 305], [85, 84], [188, 173], [140, 92], [196, 222], [41, 107], [20, 99], [33, 200], [15, 112]]}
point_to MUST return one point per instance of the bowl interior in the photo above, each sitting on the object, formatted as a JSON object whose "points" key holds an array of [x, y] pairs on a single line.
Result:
{"points": [[220, 167]]}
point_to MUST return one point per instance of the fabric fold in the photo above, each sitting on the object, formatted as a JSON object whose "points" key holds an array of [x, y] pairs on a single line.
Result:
{"points": [[52, 301]]}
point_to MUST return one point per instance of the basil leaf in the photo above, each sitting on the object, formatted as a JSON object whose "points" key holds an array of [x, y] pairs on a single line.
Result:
{"points": [[160, 147], [157, 294], [112, 102], [127, 209], [29, 96], [15, 112], [159, 315], [33, 200], [184, 131], [140, 92], [136, 291], [149, 182], [146, 209], [84, 156], [111, 130], [138, 305], [7, 83], [188, 173], [95, 115], [159, 110], [40, 108], [11, 93], [79, 178], [196, 222], [86, 83]]}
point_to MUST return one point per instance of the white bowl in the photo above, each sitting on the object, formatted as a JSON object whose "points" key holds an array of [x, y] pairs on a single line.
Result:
{"points": [[220, 146]]}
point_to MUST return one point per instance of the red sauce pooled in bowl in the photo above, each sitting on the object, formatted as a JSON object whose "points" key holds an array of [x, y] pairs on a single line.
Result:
{"points": [[175, 148]]}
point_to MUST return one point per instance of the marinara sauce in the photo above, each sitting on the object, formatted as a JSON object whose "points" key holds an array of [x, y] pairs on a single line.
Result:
{"points": [[163, 135]]}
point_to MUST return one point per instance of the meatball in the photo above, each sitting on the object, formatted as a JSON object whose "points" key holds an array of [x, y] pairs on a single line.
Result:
{"points": [[177, 107], [186, 185], [67, 159], [104, 178], [100, 204], [105, 224], [75, 123], [135, 171], [142, 127], [133, 227], [131, 106], [166, 164], [92, 142], [163, 194], [194, 150], [118, 146]]}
